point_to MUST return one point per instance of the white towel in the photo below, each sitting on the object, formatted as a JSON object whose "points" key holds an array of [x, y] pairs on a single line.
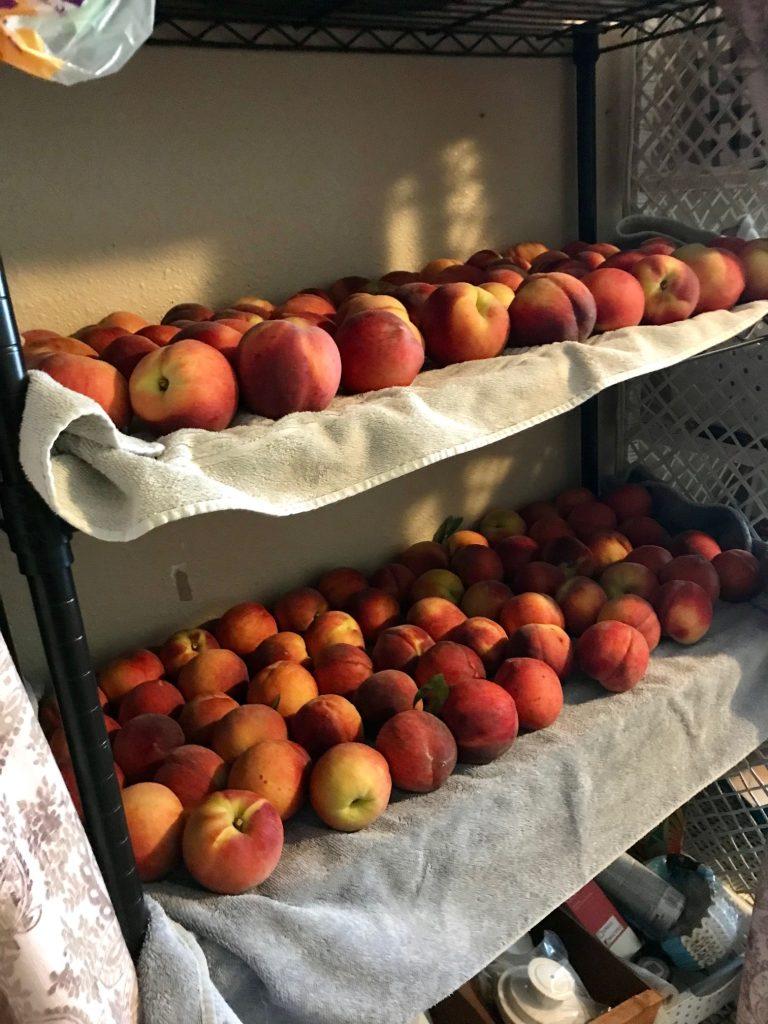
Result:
{"points": [[117, 487]]}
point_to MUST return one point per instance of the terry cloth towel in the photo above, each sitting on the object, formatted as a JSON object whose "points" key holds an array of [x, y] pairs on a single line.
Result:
{"points": [[372, 927], [117, 487]]}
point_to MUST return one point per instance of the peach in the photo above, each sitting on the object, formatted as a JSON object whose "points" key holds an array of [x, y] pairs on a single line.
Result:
{"points": [[241, 326], [338, 585], [524, 252], [591, 516], [603, 248], [634, 611], [126, 352], [515, 552], [739, 574], [435, 616], [483, 257], [570, 555], [365, 303], [549, 308], [643, 531], [720, 273], [754, 259], [95, 379], [535, 689], [462, 322], [437, 583], [695, 542], [461, 272], [57, 742], [629, 578], [475, 563], [232, 841], [374, 611], [160, 334], [38, 334], [285, 367], [567, 500], [394, 579], [670, 286], [143, 743], [684, 610], [187, 311], [325, 721], [575, 247], [549, 261], [485, 637], [213, 671], [153, 697], [589, 259], [378, 350], [422, 556], [485, 599], [549, 528], [396, 278], [399, 647], [608, 547], [244, 727], [49, 715], [652, 556], [419, 749], [538, 577], [284, 686], [192, 773], [450, 659], [130, 322], [658, 245], [500, 523], [629, 500], [297, 610], [249, 318], [729, 242], [624, 260], [383, 695], [155, 819], [243, 627], [509, 275], [183, 646], [217, 334], [546, 642], [346, 286], [695, 568], [482, 717], [332, 628], [538, 510], [432, 270], [278, 647], [34, 352], [98, 337], [528, 607], [276, 770], [200, 715], [580, 600], [306, 302], [123, 674], [341, 668], [463, 539], [576, 267], [413, 296], [614, 654], [350, 786], [500, 291]]}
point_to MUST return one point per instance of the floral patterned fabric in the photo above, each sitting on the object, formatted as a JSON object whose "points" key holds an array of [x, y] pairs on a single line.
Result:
{"points": [[753, 1000], [62, 957]]}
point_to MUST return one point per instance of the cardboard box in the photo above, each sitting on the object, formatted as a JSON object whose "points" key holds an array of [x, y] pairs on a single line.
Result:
{"points": [[607, 979]]}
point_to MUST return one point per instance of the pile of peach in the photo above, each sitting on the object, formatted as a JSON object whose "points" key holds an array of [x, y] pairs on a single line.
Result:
{"points": [[198, 365], [222, 733]]}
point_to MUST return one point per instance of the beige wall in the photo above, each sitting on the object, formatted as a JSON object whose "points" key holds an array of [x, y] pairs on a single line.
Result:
{"points": [[202, 175]]}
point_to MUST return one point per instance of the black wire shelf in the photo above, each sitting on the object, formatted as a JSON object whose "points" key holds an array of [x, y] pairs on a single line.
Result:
{"points": [[462, 28]]}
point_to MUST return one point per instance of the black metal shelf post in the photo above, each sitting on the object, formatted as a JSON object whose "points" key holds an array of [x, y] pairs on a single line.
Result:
{"points": [[40, 541]]}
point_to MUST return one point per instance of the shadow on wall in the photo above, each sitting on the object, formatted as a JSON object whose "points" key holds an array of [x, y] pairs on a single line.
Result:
{"points": [[205, 175]]}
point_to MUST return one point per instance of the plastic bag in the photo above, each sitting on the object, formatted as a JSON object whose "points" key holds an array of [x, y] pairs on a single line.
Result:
{"points": [[70, 41]]}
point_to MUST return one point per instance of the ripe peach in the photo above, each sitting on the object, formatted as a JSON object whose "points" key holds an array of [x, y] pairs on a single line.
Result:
{"points": [[217, 334], [539, 578], [463, 539], [475, 563], [435, 616], [383, 695], [730, 242], [499, 291], [232, 841], [528, 607], [720, 274], [57, 742], [126, 352], [341, 668], [652, 556], [350, 786], [155, 819], [637, 612], [619, 298], [551, 307], [307, 302], [544, 642], [338, 585], [577, 267], [642, 531], [515, 552], [129, 322], [549, 261], [419, 749], [183, 646], [142, 744], [413, 296], [161, 334], [535, 689], [154, 697], [608, 547], [432, 270], [399, 647], [589, 517], [297, 610], [93, 378], [483, 636], [244, 626], [200, 715], [739, 574], [462, 272], [123, 674], [378, 350], [34, 352], [580, 600], [278, 647], [332, 628], [629, 578], [658, 246], [754, 259], [695, 568], [628, 501], [397, 278], [483, 257], [590, 261], [276, 770], [538, 510], [364, 302], [569, 554], [524, 252], [437, 583], [604, 248], [187, 311], [422, 556], [450, 659], [214, 671], [500, 523], [507, 274], [374, 611], [567, 501], [482, 717], [485, 598], [49, 715], [549, 528], [325, 721], [624, 260], [462, 322], [670, 286], [614, 654], [192, 773], [284, 686], [695, 542], [394, 579], [98, 337], [684, 610], [244, 727], [346, 286]]}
